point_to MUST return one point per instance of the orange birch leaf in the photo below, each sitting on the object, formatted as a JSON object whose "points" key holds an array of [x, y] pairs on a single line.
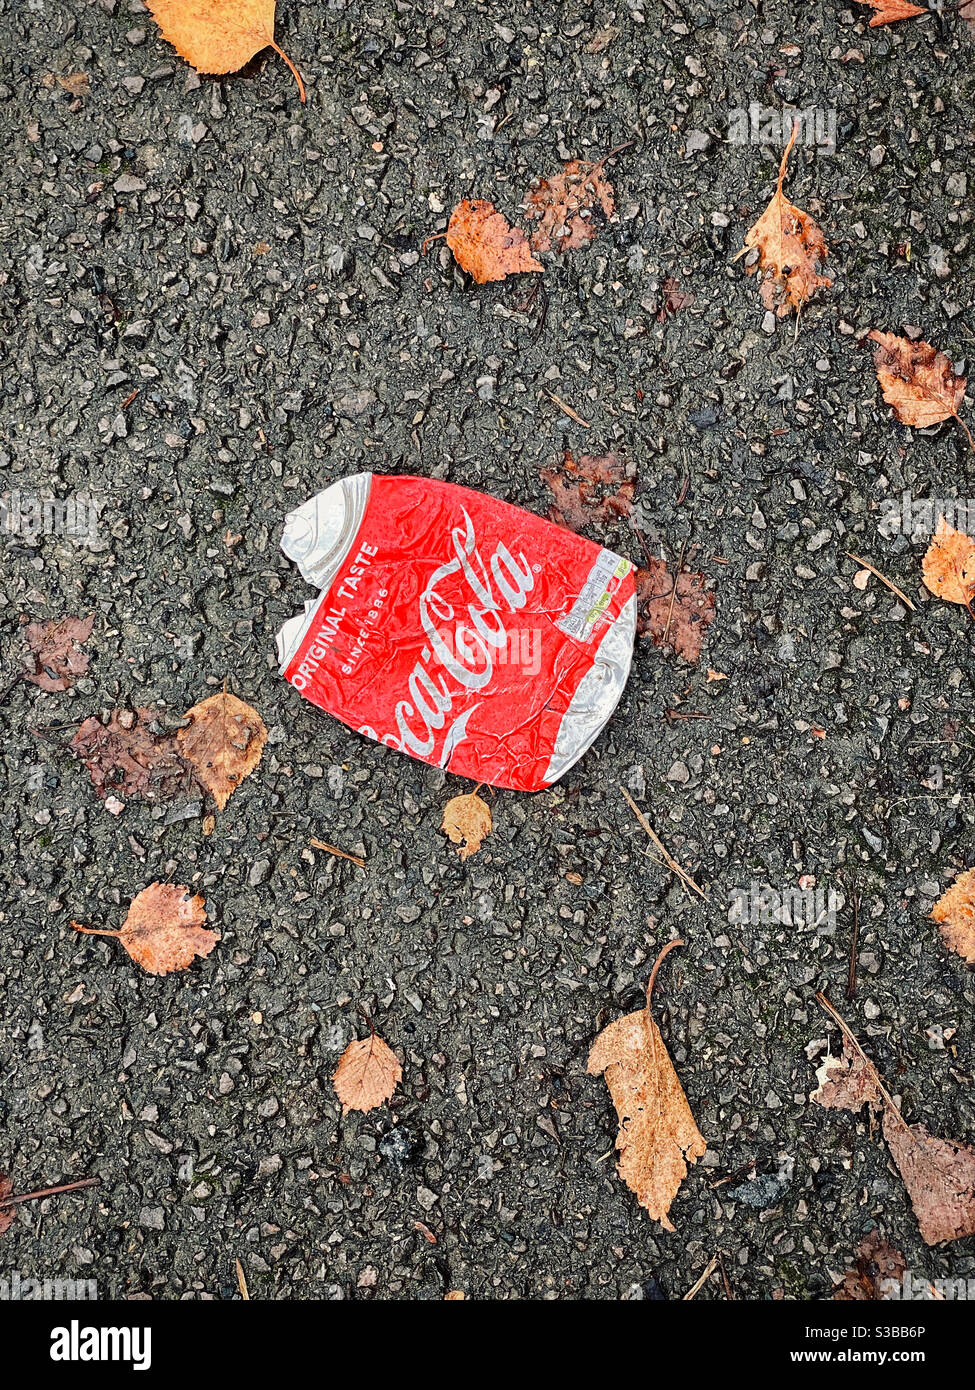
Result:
{"points": [[485, 245], [223, 743], [219, 36], [954, 913], [468, 819], [367, 1074], [163, 930], [889, 11], [918, 381], [563, 206], [948, 567], [791, 249]]}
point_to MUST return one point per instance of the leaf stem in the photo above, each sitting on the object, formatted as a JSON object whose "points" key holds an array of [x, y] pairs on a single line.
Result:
{"points": [[671, 945], [297, 75]]}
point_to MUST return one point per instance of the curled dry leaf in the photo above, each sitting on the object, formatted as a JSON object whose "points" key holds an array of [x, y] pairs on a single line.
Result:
{"points": [[847, 1083], [223, 743], [939, 1174], [163, 930], [367, 1074], [878, 1268], [563, 206], [948, 567], [918, 381], [954, 913], [581, 493], [485, 245], [791, 250], [657, 1134], [56, 656], [468, 819], [130, 757], [678, 620], [888, 11], [219, 36]]}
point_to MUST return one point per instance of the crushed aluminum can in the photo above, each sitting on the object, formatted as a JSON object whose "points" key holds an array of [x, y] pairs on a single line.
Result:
{"points": [[457, 628]]}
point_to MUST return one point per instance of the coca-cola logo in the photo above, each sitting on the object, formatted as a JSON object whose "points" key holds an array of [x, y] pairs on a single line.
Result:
{"points": [[449, 670]]}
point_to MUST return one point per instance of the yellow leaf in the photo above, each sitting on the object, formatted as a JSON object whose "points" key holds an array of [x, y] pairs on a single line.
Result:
{"points": [[219, 36]]}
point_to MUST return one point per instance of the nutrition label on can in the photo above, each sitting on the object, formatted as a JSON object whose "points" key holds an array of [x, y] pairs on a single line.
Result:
{"points": [[603, 581]]}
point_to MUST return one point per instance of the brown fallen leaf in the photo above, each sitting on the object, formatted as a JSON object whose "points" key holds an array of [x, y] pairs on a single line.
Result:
{"points": [[939, 1174], [455, 1296], [675, 616], [77, 84], [674, 299], [367, 1074], [485, 245], [468, 819], [955, 914], [580, 492], [56, 656], [791, 249], [918, 381], [163, 930], [847, 1083], [131, 757], [223, 743], [657, 1134], [219, 36], [948, 567], [877, 1264], [888, 11], [563, 206]]}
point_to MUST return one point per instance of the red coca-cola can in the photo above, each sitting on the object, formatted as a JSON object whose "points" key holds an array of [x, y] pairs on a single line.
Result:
{"points": [[457, 628]]}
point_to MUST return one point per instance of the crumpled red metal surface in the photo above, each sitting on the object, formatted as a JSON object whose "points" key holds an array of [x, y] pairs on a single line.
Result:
{"points": [[458, 628]]}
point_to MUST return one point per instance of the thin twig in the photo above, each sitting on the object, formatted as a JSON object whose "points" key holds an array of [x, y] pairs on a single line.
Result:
{"points": [[342, 854], [241, 1281], [572, 414], [851, 983], [883, 579], [703, 1279], [49, 1191], [669, 859], [673, 592]]}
